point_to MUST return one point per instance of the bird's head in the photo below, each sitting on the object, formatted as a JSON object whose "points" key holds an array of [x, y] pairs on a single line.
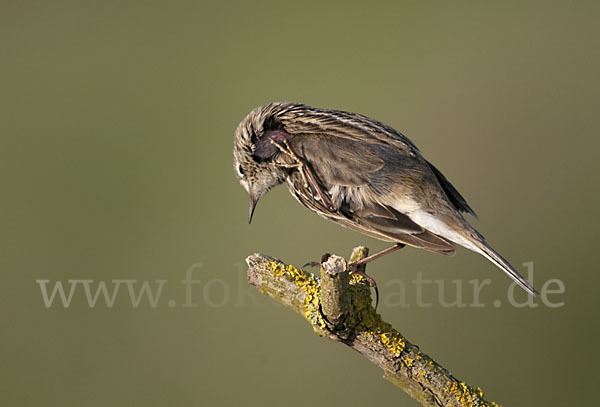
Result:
{"points": [[256, 171]]}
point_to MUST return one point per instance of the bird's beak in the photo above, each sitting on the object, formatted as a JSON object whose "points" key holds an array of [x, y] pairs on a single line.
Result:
{"points": [[253, 202]]}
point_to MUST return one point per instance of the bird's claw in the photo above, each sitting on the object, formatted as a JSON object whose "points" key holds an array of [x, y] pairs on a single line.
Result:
{"points": [[324, 258], [354, 269], [311, 264]]}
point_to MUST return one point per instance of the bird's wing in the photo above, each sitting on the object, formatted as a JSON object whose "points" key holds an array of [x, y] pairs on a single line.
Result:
{"points": [[358, 129], [348, 174], [451, 192], [399, 227]]}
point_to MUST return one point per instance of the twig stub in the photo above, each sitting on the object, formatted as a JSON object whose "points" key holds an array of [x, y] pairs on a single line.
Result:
{"points": [[335, 300]]}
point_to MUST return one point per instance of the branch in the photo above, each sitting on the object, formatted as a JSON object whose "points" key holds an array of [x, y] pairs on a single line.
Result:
{"points": [[338, 306]]}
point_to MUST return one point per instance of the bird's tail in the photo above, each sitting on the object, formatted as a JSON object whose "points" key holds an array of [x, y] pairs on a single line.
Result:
{"points": [[490, 254]]}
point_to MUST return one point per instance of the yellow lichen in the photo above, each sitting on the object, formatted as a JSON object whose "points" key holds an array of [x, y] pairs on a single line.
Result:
{"points": [[308, 284], [364, 318], [357, 278], [467, 396], [393, 341], [408, 362]]}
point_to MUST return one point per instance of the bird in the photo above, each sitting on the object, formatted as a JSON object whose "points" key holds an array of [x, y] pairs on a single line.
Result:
{"points": [[361, 174]]}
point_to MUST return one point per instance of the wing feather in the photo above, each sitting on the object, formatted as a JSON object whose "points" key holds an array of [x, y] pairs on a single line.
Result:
{"points": [[452, 193]]}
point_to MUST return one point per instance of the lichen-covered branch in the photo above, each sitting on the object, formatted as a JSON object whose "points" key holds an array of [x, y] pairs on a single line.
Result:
{"points": [[338, 306]]}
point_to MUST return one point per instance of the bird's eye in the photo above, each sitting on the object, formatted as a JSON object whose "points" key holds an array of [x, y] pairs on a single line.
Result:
{"points": [[240, 170]]}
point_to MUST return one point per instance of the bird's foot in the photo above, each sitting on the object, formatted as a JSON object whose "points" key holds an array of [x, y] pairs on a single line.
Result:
{"points": [[355, 268], [311, 264], [324, 258]]}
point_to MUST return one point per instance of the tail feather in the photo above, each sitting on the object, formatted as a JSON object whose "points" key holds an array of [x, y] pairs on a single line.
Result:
{"points": [[455, 228], [505, 266]]}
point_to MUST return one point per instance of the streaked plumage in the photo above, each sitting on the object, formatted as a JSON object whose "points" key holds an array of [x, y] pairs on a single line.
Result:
{"points": [[359, 173]]}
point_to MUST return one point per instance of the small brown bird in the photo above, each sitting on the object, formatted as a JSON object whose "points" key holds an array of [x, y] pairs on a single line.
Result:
{"points": [[360, 173]]}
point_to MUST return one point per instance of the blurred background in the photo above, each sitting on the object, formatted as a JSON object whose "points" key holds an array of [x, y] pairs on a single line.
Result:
{"points": [[116, 130]]}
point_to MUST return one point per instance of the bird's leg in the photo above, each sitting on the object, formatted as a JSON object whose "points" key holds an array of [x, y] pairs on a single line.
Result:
{"points": [[358, 267], [377, 255]]}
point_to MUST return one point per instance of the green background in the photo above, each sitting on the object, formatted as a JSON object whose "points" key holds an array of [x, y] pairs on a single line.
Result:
{"points": [[116, 133]]}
